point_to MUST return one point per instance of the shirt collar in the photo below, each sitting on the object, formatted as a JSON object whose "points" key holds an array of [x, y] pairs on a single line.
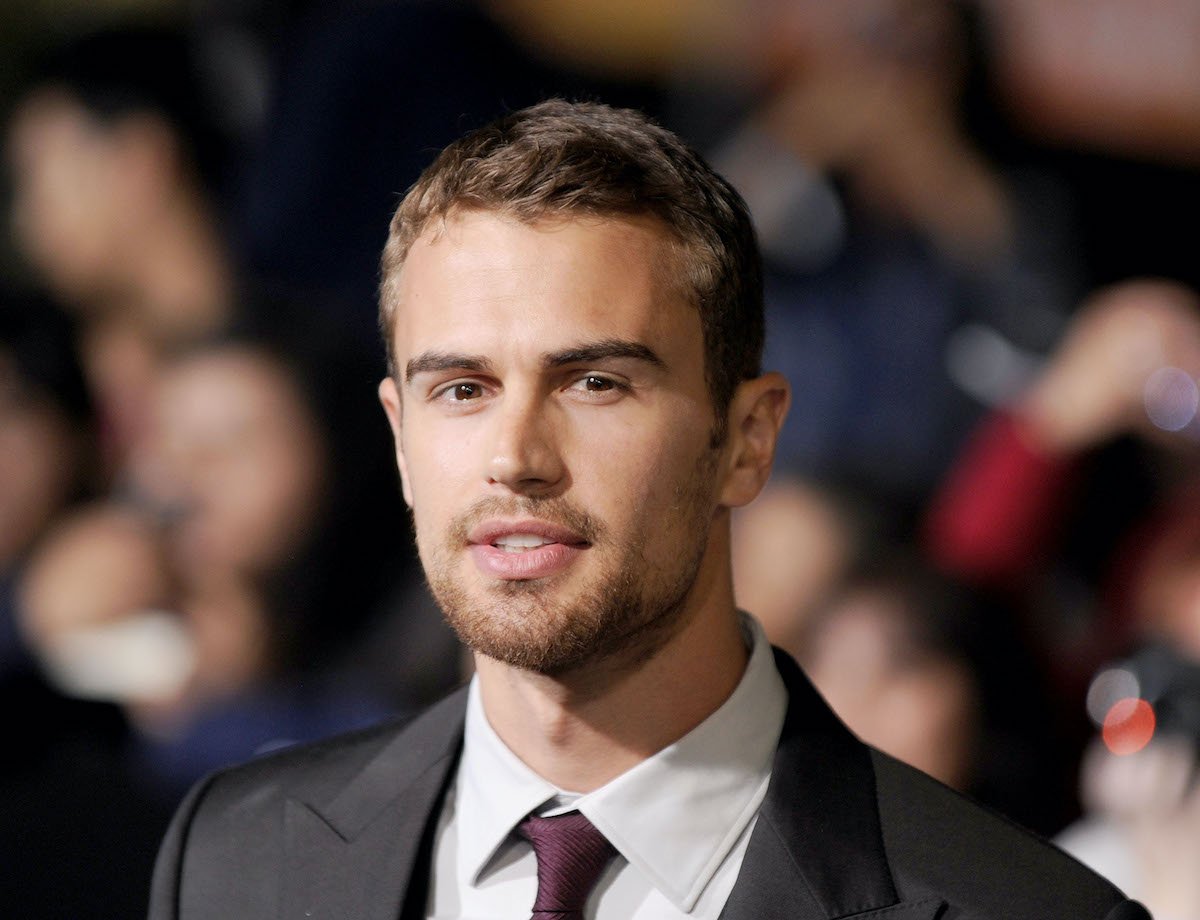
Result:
{"points": [[494, 791], [714, 779]]}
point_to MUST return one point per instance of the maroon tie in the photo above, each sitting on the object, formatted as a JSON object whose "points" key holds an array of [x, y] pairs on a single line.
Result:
{"points": [[571, 854]]}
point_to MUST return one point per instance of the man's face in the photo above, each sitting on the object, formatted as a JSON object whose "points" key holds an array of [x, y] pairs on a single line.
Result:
{"points": [[553, 432]]}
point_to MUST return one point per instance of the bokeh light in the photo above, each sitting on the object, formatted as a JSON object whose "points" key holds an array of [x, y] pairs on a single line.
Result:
{"points": [[1129, 726], [1171, 398], [1107, 688]]}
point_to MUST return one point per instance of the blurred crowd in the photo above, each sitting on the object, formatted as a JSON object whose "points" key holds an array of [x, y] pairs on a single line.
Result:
{"points": [[983, 536]]}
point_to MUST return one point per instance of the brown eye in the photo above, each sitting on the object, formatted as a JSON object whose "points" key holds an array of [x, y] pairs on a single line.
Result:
{"points": [[463, 391], [597, 384]]}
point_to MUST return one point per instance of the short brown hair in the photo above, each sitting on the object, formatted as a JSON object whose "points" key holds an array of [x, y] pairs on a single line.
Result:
{"points": [[561, 158]]}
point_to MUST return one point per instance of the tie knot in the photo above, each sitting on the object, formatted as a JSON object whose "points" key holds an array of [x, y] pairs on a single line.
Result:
{"points": [[571, 854]]}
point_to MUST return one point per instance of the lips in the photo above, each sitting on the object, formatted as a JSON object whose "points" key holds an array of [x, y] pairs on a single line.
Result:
{"points": [[494, 531], [523, 550]]}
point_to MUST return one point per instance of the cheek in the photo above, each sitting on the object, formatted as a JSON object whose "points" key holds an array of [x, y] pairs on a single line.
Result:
{"points": [[607, 451], [438, 483], [642, 490], [437, 448], [433, 464]]}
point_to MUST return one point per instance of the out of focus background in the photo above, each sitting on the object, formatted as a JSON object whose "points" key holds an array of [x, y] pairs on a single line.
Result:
{"points": [[983, 538]]}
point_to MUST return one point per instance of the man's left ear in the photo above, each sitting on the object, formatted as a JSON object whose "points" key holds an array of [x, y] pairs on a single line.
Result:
{"points": [[756, 415]]}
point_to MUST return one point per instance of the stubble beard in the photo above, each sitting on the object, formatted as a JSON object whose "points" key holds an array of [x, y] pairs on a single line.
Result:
{"points": [[623, 616]]}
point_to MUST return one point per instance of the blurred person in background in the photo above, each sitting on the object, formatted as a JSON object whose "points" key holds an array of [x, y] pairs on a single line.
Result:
{"points": [[888, 653], [79, 829], [192, 618], [1078, 502], [1123, 378], [793, 547], [940, 677], [45, 441], [113, 154], [238, 571], [930, 670], [214, 557], [262, 465]]}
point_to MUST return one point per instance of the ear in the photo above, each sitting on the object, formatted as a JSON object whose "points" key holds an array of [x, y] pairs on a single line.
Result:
{"points": [[389, 396], [756, 415]]}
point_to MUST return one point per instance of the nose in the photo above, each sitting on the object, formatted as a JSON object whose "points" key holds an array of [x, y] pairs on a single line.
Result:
{"points": [[525, 454]]}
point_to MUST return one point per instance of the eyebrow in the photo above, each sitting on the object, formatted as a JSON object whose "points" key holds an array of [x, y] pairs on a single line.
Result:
{"points": [[436, 361], [602, 350]]}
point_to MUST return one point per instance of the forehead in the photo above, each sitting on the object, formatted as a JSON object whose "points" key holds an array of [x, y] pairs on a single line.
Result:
{"points": [[482, 276]]}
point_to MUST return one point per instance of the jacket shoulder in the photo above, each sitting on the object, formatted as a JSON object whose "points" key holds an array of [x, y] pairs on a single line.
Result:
{"points": [[312, 771], [939, 841], [299, 771], [226, 848]]}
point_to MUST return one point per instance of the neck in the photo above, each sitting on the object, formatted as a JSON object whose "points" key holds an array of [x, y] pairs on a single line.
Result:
{"points": [[583, 729]]}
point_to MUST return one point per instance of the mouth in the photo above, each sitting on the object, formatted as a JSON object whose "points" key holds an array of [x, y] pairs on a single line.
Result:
{"points": [[524, 550], [520, 542], [523, 536]]}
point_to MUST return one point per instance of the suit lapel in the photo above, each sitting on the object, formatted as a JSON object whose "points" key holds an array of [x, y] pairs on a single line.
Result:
{"points": [[816, 851], [353, 854]]}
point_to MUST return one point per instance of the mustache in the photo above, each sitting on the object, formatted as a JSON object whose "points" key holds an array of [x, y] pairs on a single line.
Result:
{"points": [[555, 510]]}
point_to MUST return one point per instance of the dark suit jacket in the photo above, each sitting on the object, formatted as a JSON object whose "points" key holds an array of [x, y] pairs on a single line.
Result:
{"points": [[341, 830]]}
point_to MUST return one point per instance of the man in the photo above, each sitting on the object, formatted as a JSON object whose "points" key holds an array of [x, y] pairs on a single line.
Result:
{"points": [[572, 307]]}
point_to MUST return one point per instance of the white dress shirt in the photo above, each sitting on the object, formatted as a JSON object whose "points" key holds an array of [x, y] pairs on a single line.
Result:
{"points": [[680, 820]]}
